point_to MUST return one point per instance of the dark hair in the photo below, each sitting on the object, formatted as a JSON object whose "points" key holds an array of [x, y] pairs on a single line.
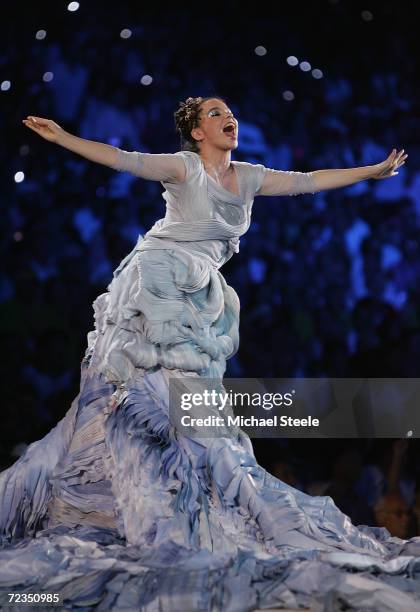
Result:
{"points": [[187, 118]]}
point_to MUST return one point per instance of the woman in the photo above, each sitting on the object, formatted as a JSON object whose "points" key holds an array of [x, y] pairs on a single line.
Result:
{"points": [[159, 519]]}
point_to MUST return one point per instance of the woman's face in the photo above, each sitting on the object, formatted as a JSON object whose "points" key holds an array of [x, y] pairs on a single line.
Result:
{"points": [[214, 122]]}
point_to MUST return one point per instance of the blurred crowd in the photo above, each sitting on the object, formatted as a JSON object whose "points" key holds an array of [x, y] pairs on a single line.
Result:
{"points": [[327, 282], [374, 482]]}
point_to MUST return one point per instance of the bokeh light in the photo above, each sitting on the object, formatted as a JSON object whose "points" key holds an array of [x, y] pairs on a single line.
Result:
{"points": [[260, 50], [146, 79]]}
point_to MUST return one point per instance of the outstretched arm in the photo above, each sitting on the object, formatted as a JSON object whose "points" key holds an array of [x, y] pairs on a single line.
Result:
{"points": [[330, 179], [152, 166], [280, 182], [286, 182]]}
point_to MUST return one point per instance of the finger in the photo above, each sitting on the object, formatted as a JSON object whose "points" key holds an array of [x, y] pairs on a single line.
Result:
{"points": [[35, 128], [39, 120]]}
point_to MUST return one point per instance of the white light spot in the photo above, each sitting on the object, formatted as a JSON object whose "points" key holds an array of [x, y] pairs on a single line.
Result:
{"points": [[73, 6], [292, 60], [5, 86], [409, 433], [260, 50], [146, 79], [48, 76], [126, 33], [288, 95], [40, 35], [305, 66], [17, 236], [317, 73], [19, 177], [367, 16]]}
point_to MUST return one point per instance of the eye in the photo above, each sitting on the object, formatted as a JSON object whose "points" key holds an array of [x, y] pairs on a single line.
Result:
{"points": [[214, 111]]}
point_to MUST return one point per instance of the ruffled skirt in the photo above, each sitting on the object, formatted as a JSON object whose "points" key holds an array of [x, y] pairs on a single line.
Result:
{"points": [[116, 509]]}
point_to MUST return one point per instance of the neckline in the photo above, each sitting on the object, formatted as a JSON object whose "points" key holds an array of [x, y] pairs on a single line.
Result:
{"points": [[230, 193]]}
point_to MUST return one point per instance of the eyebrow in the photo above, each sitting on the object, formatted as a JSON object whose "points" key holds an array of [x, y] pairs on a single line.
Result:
{"points": [[218, 108]]}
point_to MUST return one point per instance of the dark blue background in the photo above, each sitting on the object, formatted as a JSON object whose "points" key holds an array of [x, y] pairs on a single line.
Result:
{"points": [[328, 283]]}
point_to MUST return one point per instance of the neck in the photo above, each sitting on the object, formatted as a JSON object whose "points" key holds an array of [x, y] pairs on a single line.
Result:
{"points": [[216, 160]]}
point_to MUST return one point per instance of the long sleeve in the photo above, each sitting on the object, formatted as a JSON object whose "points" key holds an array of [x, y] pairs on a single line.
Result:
{"points": [[153, 166], [286, 182]]}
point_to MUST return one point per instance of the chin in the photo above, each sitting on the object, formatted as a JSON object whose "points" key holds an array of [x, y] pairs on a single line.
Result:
{"points": [[230, 146]]}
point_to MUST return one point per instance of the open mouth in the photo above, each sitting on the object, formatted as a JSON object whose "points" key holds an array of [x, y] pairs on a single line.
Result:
{"points": [[229, 130]]}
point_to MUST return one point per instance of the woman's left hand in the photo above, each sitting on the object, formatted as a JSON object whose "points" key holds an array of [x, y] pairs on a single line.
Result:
{"points": [[390, 165]]}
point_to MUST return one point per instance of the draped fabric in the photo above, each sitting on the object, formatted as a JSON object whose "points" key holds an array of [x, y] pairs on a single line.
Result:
{"points": [[116, 509]]}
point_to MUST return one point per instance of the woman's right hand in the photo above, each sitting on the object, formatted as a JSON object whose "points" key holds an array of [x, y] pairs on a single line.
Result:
{"points": [[46, 128]]}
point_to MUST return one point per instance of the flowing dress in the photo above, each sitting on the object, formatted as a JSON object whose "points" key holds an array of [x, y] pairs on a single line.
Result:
{"points": [[115, 509]]}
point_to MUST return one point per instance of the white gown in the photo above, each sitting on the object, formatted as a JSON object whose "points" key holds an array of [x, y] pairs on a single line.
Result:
{"points": [[114, 509]]}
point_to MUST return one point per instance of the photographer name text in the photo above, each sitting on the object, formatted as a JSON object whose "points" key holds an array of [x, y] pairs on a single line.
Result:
{"points": [[251, 421]]}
